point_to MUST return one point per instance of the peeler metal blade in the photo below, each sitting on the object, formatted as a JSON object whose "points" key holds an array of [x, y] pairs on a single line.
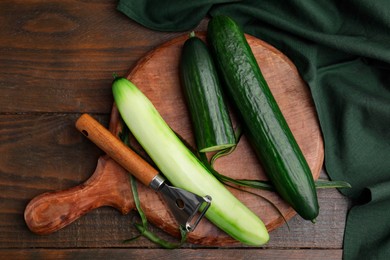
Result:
{"points": [[187, 207]]}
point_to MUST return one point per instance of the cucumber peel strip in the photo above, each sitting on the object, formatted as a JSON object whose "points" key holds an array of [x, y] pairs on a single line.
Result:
{"points": [[227, 181], [266, 185], [227, 151], [261, 184]]}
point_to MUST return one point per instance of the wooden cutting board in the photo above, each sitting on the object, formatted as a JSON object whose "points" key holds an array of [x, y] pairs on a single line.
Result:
{"points": [[157, 76]]}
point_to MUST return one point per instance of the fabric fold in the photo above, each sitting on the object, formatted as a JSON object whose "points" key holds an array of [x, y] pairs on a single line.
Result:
{"points": [[166, 15], [372, 237]]}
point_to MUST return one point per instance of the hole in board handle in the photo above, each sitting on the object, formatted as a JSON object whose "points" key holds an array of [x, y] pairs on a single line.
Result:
{"points": [[85, 132]]}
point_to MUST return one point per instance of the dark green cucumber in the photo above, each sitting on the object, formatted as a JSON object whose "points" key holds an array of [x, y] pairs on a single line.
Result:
{"points": [[265, 126], [209, 115]]}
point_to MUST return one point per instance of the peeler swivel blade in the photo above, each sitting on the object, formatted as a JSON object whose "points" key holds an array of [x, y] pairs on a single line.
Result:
{"points": [[187, 207]]}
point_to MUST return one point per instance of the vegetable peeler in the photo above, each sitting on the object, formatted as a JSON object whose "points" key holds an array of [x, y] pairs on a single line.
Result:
{"points": [[187, 207]]}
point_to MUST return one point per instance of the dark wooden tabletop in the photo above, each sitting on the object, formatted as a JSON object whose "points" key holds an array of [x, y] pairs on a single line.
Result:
{"points": [[57, 59]]}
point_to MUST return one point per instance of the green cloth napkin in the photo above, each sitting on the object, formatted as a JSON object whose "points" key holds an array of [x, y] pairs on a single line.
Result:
{"points": [[342, 50]]}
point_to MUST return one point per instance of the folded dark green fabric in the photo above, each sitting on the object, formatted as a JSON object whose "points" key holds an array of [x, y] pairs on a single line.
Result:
{"points": [[367, 231], [166, 15], [342, 50]]}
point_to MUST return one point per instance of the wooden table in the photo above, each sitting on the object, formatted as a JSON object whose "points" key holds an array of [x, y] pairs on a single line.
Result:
{"points": [[56, 62]]}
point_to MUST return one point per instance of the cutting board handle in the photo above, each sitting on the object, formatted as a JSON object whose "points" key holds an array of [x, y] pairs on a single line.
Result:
{"points": [[108, 186]]}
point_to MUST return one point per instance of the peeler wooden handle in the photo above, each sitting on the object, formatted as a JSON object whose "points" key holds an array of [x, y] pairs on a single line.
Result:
{"points": [[116, 149]]}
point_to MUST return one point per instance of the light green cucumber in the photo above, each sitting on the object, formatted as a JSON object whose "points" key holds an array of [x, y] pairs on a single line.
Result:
{"points": [[182, 168]]}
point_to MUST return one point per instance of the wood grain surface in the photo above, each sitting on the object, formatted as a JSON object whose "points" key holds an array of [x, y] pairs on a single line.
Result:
{"points": [[57, 58]]}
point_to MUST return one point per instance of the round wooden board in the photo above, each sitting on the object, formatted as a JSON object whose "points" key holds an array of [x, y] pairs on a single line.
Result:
{"points": [[157, 76]]}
